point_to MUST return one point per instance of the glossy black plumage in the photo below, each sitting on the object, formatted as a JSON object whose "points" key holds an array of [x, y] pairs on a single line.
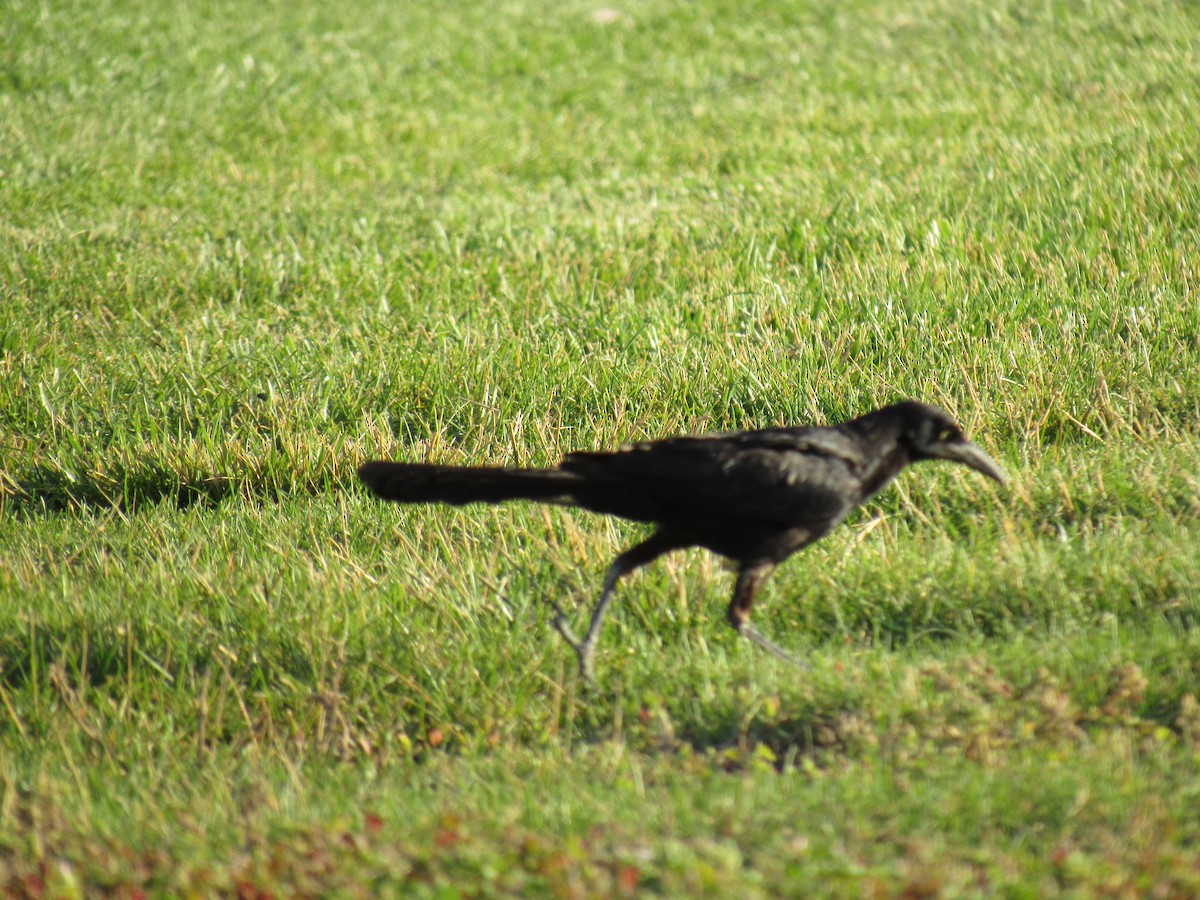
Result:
{"points": [[755, 497]]}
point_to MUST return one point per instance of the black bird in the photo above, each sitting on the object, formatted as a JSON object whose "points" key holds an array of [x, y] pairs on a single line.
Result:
{"points": [[755, 497]]}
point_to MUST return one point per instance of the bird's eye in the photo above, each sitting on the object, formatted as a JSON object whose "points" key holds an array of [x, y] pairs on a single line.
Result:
{"points": [[946, 434]]}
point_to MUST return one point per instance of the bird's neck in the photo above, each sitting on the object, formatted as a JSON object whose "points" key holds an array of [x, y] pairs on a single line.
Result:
{"points": [[884, 452]]}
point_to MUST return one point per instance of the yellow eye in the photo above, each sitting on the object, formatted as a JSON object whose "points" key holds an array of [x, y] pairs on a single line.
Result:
{"points": [[947, 434]]}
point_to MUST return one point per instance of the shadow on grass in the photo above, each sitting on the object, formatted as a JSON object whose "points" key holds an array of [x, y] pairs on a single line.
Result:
{"points": [[777, 740], [49, 490], [379, 699], [100, 656], [46, 490]]}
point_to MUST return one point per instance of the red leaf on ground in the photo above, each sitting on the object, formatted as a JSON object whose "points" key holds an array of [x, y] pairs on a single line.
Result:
{"points": [[627, 879], [35, 886], [446, 837], [373, 823]]}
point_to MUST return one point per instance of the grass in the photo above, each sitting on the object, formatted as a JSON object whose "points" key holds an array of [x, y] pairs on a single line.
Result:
{"points": [[239, 254]]}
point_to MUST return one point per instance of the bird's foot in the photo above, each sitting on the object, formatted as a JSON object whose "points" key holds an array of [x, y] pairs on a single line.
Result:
{"points": [[583, 648], [749, 631]]}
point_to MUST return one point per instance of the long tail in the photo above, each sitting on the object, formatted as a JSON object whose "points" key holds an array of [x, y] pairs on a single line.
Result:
{"points": [[421, 483]]}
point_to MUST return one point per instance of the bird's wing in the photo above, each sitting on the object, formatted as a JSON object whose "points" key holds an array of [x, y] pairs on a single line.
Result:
{"points": [[780, 476]]}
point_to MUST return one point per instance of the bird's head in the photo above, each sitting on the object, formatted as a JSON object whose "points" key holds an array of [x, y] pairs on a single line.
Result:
{"points": [[929, 433]]}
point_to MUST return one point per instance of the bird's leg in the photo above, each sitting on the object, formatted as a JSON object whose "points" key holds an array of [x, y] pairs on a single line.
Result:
{"points": [[584, 648], [633, 558], [748, 580]]}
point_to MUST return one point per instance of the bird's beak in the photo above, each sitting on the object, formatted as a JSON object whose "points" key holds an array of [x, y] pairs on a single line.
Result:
{"points": [[970, 455]]}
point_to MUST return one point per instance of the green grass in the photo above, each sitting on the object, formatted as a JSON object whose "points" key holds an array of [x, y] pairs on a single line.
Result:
{"points": [[241, 251]]}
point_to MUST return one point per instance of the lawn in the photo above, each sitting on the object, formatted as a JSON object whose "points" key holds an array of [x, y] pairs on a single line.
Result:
{"points": [[243, 249]]}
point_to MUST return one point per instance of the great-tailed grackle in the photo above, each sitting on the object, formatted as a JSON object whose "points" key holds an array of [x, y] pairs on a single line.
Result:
{"points": [[755, 497]]}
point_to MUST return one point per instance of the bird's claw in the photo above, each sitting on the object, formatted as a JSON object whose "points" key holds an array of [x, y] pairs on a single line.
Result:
{"points": [[582, 648], [749, 631]]}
